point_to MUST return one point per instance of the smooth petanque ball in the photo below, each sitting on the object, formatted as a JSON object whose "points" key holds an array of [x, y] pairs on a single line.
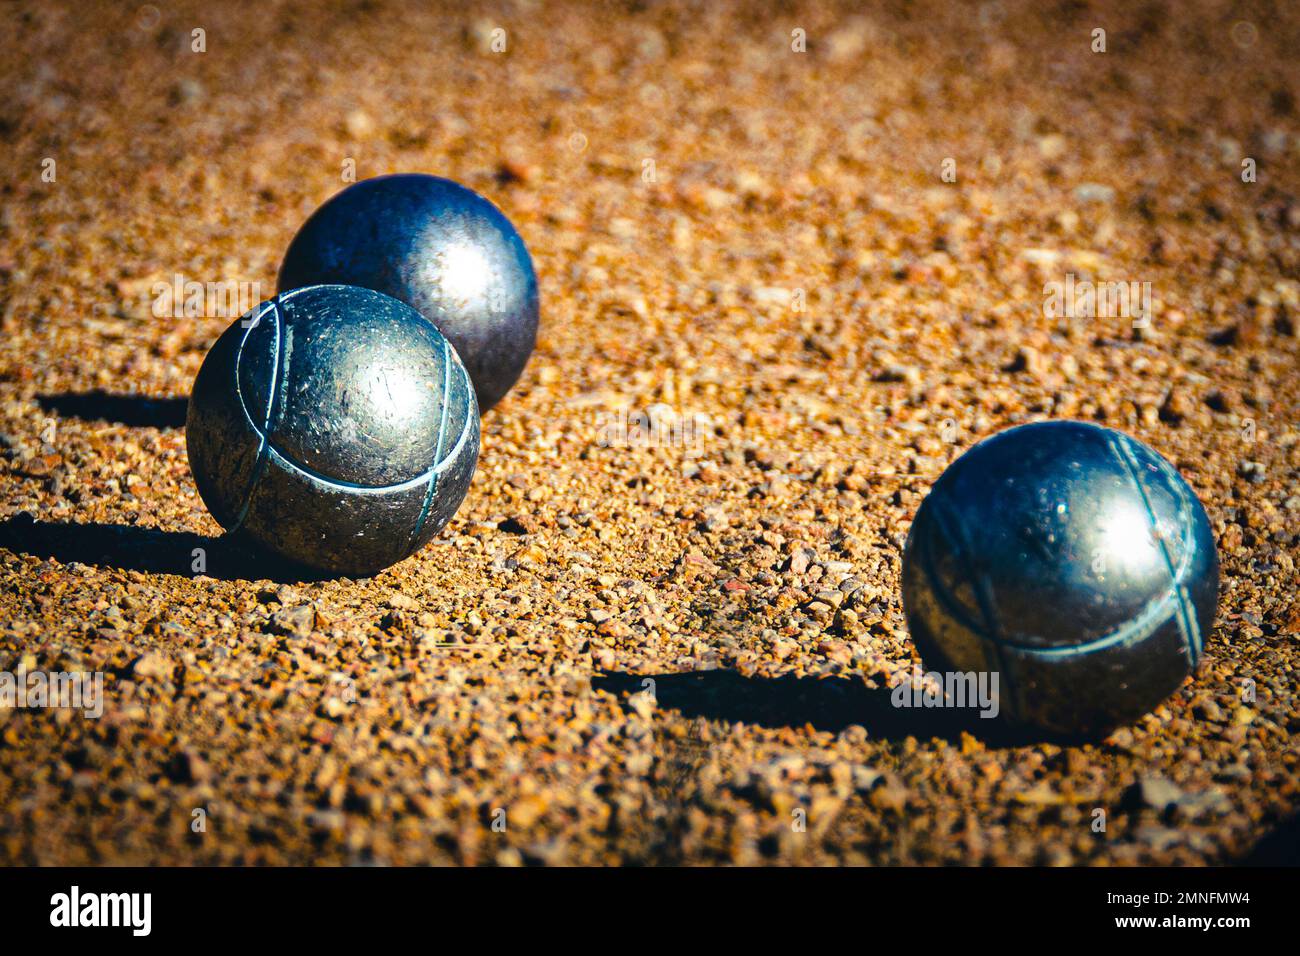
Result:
{"points": [[333, 426], [1071, 560], [439, 247]]}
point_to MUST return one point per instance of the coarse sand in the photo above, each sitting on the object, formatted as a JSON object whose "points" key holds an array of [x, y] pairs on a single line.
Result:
{"points": [[814, 250]]}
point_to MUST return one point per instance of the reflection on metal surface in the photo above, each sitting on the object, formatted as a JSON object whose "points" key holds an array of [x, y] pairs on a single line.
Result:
{"points": [[335, 427], [440, 248], [1074, 560]]}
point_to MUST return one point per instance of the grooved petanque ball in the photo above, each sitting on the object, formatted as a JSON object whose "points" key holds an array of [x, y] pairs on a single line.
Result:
{"points": [[334, 426], [439, 247], [1073, 561]]}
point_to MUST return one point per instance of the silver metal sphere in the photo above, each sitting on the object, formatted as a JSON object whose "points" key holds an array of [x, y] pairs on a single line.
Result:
{"points": [[1073, 561], [439, 247], [334, 426]]}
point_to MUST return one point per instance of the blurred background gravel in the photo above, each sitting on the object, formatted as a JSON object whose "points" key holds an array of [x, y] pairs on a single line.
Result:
{"points": [[722, 227]]}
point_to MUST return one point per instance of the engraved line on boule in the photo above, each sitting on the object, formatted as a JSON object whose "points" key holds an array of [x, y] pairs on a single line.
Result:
{"points": [[1155, 615], [337, 483], [1186, 626], [950, 523], [437, 452], [956, 610], [264, 443]]}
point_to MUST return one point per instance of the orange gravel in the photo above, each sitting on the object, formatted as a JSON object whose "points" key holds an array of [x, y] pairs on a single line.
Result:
{"points": [[818, 261]]}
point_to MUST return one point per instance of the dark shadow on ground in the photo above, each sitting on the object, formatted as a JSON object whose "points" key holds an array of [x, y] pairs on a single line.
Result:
{"points": [[1279, 848], [135, 410], [147, 550], [828, 704]]}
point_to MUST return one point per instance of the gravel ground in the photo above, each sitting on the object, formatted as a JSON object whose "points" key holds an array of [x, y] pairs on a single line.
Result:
{"points": [[723, 227]]}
